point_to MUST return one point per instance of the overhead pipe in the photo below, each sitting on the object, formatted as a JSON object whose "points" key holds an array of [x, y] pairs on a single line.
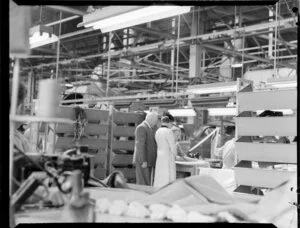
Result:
{"points": [[58, 47], [62, 20], [67, 9]]}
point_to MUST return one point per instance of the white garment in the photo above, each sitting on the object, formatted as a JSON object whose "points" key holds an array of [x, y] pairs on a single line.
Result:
{"points": [[165, 167], [228, 153]]}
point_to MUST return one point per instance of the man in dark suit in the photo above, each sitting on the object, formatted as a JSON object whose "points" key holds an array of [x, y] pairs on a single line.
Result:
{"points": [[144, 156]]}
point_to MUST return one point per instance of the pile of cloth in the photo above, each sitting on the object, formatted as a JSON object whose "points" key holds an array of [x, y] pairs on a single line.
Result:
{"points": [[205, 196]]}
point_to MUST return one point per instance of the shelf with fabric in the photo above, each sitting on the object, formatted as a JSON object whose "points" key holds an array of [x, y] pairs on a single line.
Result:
{"points": [[267, 100], [267, 152], [264, 161]]}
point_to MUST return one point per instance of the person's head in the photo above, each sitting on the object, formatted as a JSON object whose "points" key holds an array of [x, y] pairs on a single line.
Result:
{"points": [[165, 121], [177, 132], [230, 130], [152, 119], [171, 118]]}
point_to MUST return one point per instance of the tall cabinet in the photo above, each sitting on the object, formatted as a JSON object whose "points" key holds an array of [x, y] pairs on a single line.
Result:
{"points": [[249, 152]]}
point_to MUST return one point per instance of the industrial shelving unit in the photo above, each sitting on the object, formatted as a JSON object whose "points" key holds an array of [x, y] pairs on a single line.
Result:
{"points": [[248, 125]]}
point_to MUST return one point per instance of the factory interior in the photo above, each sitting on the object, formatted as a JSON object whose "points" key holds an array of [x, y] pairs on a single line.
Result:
{"points": [[153, 113]]}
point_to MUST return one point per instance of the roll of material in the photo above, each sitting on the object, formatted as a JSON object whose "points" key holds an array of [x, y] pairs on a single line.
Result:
{"points": [[48, 98]]}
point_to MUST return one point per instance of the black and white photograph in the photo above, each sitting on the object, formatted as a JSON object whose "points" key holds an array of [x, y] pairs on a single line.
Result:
{"points": [[158, 112]]}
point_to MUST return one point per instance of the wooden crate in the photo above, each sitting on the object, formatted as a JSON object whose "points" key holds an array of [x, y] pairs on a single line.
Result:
{"points": [[260, 177], [93, 115], [267, 100], [266, 126], [122, 159], [267, 152], [90, 129], [97, 140], [122, 118], [249, 151], [123, 133]]}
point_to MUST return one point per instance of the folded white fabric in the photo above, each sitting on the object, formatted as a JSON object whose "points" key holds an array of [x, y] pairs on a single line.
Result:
{"points": [[137, 210], [118, 207]]}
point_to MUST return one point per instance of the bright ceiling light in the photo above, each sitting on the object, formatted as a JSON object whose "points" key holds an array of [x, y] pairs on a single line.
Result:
{"points": [[38, 40], [185, 112], [222, 111], [213, 88], [285, 85], [136, 17], [236, 65], [282, 82], [41, 35]]}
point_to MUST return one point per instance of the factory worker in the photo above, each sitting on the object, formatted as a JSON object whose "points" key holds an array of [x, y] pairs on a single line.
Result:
{"points": [[165, 167], [144, 156], [228, 151], [177, 136]]}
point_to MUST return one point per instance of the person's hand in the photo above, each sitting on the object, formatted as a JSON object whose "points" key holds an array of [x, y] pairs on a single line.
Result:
{"points": [[55, 197], [144, 165]]}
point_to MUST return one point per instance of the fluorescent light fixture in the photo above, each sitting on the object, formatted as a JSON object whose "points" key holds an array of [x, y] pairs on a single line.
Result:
{"points": [[236, 65], [222, 111], [185, 112], [136, 17], [282, 82], [37, 40], [213, 88], [69, 85], [41, 35], [284, 111], [285, 85]]}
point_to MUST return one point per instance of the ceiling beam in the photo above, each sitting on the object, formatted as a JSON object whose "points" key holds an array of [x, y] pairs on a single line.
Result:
{"points": [[279, 40], [236, 53], [66, 9], [163, 45], [186, 21], [229, 12], [62, 20], [260, 47], [45, 50], [284, 44], [154, 32]]}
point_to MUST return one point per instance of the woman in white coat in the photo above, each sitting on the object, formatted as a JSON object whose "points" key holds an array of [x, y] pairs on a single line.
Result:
{"points": [[165, 168]]}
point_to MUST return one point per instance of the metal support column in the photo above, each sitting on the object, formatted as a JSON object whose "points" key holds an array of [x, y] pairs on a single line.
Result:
{"points": [[195, 49], [58, 47], [108, 63]]}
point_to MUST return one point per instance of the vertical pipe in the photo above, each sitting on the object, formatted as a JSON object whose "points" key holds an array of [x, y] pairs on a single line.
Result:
{"points": [[110, 139], [173, 55], [275, 40], [270, 50], [58, 46], [172, 68], [243, 41], [13, 109], [108, 63], [178, 36], [56, 76], [127, 40]]}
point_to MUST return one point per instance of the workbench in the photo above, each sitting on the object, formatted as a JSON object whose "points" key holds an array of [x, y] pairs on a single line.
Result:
{"points": [[189, 168]]}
